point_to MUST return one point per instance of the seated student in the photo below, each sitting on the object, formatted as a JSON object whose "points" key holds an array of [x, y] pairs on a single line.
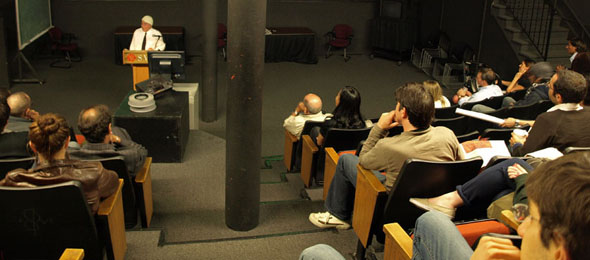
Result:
{"points": [[520, 80], [486, 80], [21, 114], [564, 126], [12, 144], [539, 74], [49, 135], [582, 63], [556, 228], [414, 112], [308, 109], [104, 140], [347, 114], [434, 89], [574, 47]]}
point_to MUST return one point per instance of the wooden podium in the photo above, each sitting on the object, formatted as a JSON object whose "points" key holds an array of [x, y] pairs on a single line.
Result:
{"points": [[139, 63]]}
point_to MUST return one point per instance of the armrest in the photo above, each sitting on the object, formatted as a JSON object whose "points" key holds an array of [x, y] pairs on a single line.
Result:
{"points": [[309, 149], [330, 168], [508, 218], [398, 245], [143, 187], [111, 210], [72, 254], [108, 205], [144, 172], [370, 195], [290, 141]]}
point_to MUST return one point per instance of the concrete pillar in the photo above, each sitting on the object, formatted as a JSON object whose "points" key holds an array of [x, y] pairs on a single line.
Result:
{"points": [[209, 65], [246, 23]]}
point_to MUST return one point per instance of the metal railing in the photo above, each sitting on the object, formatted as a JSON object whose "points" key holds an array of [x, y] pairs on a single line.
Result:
{"points": [[535, 18]]}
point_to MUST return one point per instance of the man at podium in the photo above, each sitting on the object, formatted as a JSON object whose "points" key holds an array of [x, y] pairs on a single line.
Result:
{"points": [[146, 37]]}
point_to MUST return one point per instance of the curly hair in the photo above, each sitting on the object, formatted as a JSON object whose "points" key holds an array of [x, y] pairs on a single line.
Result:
{"points": [[48, 133]]}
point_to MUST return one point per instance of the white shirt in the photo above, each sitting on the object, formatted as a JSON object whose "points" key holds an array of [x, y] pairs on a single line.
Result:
{"points": [[294, 124], [573, 56], [151, 41], [444, 103], [566, 107], [483, 93]]}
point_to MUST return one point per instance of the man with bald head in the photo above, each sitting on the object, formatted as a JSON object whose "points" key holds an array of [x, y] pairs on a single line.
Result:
{"points": [[308, 109], [104, 140], [21, 114]]}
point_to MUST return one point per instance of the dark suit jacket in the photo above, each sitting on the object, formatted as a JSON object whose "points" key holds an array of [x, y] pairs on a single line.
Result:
{"points": [[133, 152], [581, 63]]}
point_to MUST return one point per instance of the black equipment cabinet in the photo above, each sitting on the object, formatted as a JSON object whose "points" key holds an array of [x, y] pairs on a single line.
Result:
{"points": [[394, 30], [392, 38]]}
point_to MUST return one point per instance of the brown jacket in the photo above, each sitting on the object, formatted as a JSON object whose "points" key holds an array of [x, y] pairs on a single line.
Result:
{"points": [[97, 182]]}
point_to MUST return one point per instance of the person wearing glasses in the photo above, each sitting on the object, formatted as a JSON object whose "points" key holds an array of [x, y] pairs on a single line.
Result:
{"points": [[556, 227], [564, 125]]}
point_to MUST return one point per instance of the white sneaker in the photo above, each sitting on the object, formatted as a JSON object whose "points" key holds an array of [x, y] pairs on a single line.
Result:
{"points": [[327, 220], [426, 205]]}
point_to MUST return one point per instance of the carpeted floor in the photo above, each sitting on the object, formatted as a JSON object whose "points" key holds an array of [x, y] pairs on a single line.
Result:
{"points": [[188, 197]]}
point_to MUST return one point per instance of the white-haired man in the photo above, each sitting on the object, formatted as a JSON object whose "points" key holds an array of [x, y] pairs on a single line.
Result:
{"points": [[146, 37]]}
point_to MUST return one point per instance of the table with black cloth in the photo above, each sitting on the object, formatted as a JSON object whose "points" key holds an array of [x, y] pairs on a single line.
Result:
{"points": [[173, 37], [295, 44], [164, 131]]}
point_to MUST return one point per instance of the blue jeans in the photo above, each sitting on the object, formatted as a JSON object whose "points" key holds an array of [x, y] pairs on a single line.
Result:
{"points": [[436, 237], [320, 252], [490, 184], [340, 199]]}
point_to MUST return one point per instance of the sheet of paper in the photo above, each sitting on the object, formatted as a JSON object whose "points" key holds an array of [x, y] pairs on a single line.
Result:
{"points": [[486, 151], [478, 115], [550, 152]]}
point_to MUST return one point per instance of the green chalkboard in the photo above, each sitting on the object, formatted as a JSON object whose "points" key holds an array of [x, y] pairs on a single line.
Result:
{"points": [[33, 19]]}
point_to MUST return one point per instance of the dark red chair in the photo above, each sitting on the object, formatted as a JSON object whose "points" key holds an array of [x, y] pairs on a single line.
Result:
{"points": [[340, 37], [62, 42], [222, 38]]}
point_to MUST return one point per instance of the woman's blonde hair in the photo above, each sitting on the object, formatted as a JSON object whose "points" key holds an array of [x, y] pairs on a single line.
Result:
{"points": [[48, 133], [434, 89]]}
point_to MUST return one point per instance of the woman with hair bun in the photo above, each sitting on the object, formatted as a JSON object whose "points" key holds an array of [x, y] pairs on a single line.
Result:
{"points": [[49, 136]]}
